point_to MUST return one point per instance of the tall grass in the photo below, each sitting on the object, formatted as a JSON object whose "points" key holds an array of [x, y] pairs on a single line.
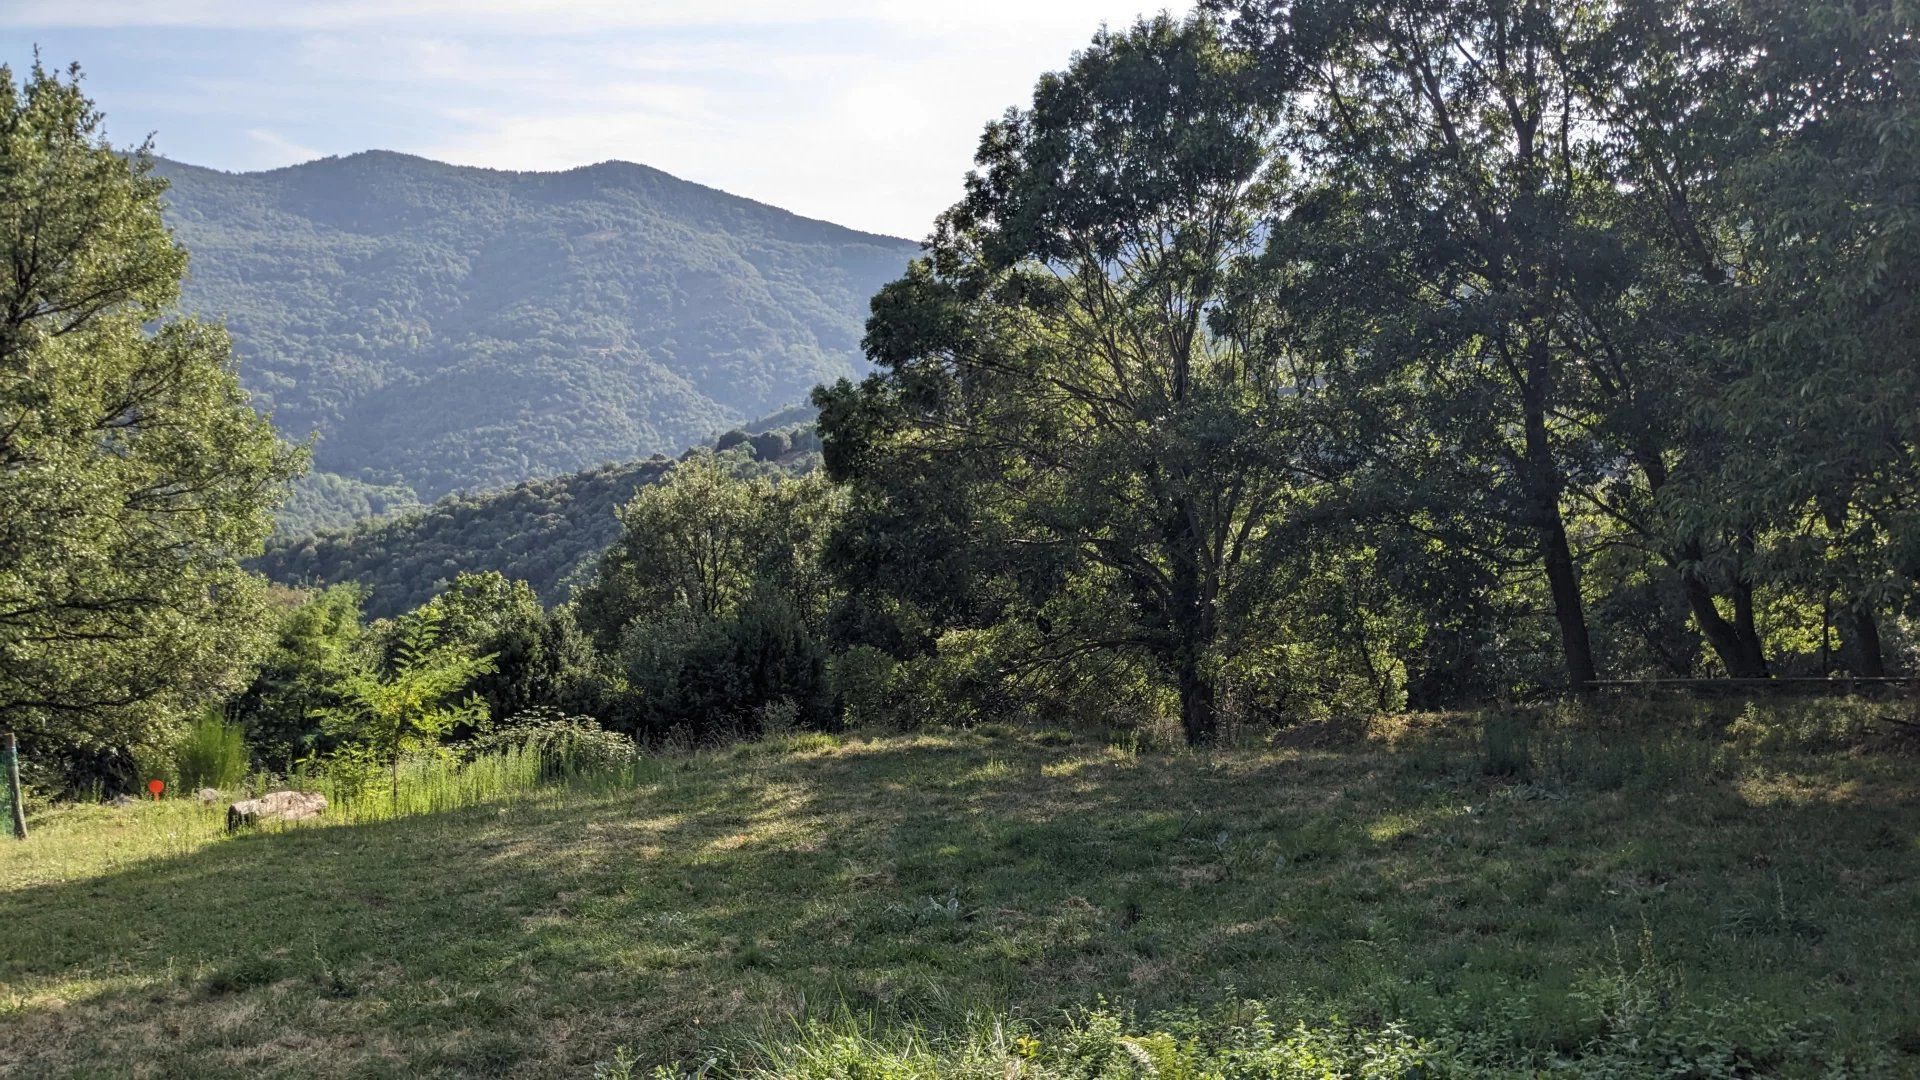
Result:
{"points": [[432, 784], [1253, 1039], [213, 754]]}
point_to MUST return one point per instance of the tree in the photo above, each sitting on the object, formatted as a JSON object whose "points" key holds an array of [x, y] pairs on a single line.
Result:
{"points": [[417, 700], [1065, 343], [133, 472], [1452, 240], [685, 543], [700, 541], [488, 615], [317, 648], [1830, 378]]}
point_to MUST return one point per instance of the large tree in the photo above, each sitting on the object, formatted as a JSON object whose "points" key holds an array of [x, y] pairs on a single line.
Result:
{"points": [[133, 472], [1066, 349], [1828, 392]]}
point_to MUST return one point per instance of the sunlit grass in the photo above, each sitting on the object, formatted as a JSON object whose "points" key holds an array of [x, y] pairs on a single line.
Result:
{"points": [[771, 906]]}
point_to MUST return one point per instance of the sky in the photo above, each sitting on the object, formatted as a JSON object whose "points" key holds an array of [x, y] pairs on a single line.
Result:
{"points": [[861, 112]]}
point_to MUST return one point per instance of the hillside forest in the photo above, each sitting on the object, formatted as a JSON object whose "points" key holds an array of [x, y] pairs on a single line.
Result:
{"points": [[439, 330]]}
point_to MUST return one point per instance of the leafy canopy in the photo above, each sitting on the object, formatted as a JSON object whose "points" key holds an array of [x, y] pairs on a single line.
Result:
{"points": [[134, 472]]}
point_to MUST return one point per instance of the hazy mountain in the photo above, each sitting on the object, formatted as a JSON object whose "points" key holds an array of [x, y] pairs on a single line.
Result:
{"points": [[445, 328]]}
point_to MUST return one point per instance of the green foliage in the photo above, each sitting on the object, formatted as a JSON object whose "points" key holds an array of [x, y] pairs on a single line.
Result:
{"points": [[416, 700], [688, 544], [863, 679], [540, 658], [710, 604], [212, 754], [568, 744], [1064, 356], [330, 503], [1337, 357], [547, 533], [134, 471], [719, 676], [319, 644], [448, 329]]}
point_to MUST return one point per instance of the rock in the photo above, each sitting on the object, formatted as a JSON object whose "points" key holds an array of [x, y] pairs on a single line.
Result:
{"points": [[276, 806], [209, 796], [123, 800]]}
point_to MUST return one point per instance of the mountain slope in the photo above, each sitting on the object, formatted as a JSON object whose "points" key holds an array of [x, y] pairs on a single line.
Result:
{"points": [[546, 532], [445, 328], [543, 532]]}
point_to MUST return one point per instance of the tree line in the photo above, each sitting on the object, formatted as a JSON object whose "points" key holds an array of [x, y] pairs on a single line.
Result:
{"points": [[1596, 312], [1279, 360]]}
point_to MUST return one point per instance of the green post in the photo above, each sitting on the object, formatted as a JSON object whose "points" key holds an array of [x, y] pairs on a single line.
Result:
{"points": [[13, 788]]}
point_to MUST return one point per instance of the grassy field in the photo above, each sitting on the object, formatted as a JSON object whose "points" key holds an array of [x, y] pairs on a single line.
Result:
{"points": [[1515, 895]]}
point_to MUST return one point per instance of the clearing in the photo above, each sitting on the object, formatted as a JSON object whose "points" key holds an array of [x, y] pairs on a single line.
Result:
{"points": [[1541, 885]]}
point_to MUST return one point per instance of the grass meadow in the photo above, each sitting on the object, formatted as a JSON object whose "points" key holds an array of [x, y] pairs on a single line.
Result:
{"points": [[1632, 893]]}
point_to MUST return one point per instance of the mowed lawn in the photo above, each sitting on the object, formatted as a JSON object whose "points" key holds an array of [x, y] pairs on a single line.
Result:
{"points": [[720, 899]]}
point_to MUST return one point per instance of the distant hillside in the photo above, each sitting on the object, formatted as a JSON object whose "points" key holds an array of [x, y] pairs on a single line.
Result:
{"points": [[446, 328], [544, 532], [541, 531]]}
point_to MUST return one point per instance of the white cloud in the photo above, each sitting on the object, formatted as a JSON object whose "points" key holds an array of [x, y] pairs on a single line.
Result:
{"points": [[863, 112], [566, 16], [275, 149]]}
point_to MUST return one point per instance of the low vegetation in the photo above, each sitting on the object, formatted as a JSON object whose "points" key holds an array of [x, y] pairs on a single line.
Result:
{"points": [[1633, 892]]}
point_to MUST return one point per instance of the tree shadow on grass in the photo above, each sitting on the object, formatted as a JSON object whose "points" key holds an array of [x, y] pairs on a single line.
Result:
{"points": [[929, 879]]}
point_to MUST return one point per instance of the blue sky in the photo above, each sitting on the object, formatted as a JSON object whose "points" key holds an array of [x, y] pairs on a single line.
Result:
{"points": [[863, 112]]}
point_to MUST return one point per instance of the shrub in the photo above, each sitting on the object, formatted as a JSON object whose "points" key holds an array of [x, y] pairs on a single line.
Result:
{"points": [[717, 676], [862, 679], [212, 754], [567, 745], [769, 446]]}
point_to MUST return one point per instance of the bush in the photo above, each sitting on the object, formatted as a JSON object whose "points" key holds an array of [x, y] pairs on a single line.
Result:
{"points": [[212, 754], [566, 744], [862, 679], [769, 446], [717, 676]]}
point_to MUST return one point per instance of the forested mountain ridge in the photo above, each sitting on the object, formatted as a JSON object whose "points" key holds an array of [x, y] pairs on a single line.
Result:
{"points": [[538, 531], [446, 328], [545, 532]]}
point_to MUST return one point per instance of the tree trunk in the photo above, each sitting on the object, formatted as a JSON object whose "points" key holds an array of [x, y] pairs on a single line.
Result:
{"points": [[1753, 656], [16, 803], [1563, 578], [1739, 654], [1869, 657], [1568, 609], [1191, 614], [1198, 717], [1737, 646]]}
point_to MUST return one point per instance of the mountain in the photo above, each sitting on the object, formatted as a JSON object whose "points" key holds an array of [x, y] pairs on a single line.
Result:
{"points": [[445, 329]]}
